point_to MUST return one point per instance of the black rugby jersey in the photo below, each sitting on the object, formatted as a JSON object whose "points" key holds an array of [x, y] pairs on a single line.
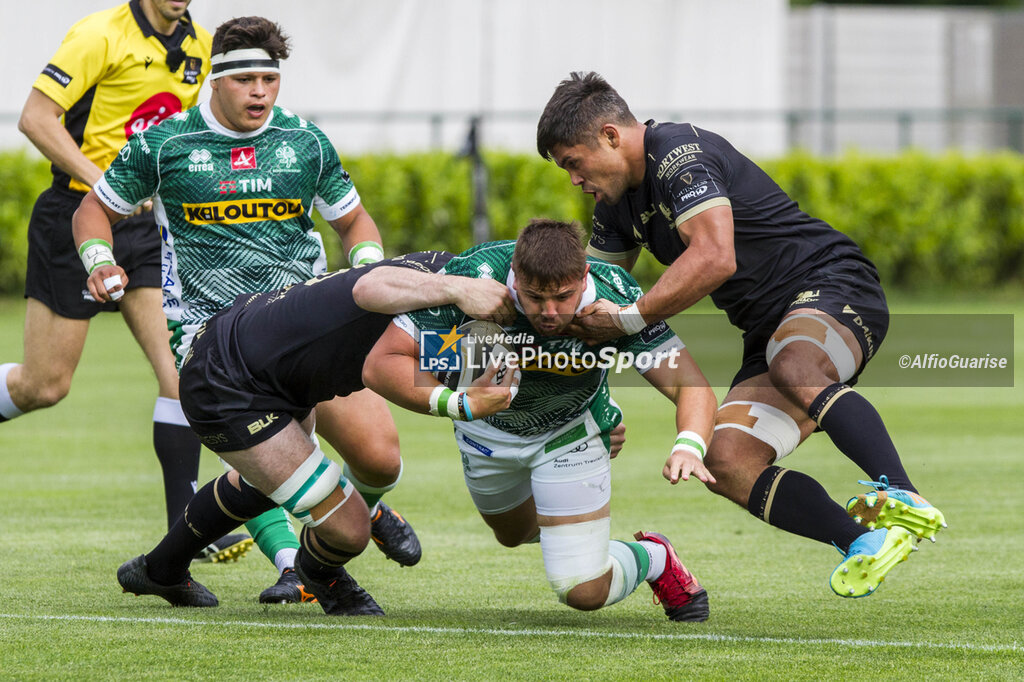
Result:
{"points": [[306, 343], [689, 170]]}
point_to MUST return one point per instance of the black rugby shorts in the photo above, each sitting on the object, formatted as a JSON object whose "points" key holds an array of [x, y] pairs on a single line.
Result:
{"points": [[55, 274], [846, 290], [227, 408]]}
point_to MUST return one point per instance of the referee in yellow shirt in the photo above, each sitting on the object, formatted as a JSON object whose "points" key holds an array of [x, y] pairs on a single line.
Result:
{"points": [[117, 72]]}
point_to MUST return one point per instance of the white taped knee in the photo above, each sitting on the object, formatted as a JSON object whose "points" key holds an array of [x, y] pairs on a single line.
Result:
{"points": [[762, 421], [575, 553], [797, 328], [312, 483]]}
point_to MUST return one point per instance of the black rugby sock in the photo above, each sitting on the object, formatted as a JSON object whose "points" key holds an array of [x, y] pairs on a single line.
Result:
{"points": [[318, 559], [856, 428], [177, 449], [796, 503], [202, 522]]}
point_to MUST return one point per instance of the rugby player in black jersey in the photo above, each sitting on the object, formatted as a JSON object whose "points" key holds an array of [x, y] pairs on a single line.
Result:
{"points": [[249, 385], [808, 300]]}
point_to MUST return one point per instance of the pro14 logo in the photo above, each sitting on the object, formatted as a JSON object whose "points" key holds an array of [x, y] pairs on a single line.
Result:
{"points": [[440, 351]]}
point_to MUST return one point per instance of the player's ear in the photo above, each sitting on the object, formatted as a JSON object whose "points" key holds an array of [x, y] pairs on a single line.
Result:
{"points": [[610, 134]]}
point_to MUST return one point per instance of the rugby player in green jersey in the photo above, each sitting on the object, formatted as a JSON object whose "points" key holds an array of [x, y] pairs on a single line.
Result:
{"points": [[540, 470], [233, 181]]}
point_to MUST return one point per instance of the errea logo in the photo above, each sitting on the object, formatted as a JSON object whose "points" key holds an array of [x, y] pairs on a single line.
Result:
{"points": [[200, 159]]}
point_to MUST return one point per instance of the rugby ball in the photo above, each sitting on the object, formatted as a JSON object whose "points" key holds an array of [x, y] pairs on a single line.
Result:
{"points": [[481, 343]]}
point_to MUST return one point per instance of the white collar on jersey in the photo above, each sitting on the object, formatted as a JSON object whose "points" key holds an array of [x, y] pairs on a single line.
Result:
{"points": [[217, 127], [589, 294]]}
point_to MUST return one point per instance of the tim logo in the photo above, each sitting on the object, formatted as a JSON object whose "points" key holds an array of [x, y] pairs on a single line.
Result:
{"points": [[440, 351], [243, 158]]}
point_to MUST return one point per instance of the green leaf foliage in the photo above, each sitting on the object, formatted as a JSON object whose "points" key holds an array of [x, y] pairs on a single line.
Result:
{"points": [[22, 178], [925, 220]]}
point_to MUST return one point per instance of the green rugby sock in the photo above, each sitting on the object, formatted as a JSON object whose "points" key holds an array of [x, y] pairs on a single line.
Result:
{"points": [[272, 532]]}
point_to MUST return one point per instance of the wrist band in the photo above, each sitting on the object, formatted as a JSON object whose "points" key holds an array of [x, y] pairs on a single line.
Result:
{"points": [[630, 320], [436, 402], [94, 253], [467, 414], [364, 253], [691, 442], [445, 402]]}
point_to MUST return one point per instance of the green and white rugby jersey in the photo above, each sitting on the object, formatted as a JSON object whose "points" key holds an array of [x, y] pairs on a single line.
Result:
{"points": [[233, 208], [564, 378]]}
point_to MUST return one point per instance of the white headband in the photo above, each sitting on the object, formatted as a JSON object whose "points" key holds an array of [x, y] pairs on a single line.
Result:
{"points": [[242, 61]]}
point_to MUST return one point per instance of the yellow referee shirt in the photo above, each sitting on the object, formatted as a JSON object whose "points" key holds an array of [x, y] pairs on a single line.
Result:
{"points": [[112, 77]]}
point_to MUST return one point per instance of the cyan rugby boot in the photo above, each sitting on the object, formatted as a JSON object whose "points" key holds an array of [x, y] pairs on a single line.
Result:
{"points": [[869, 560], [887, 506]]}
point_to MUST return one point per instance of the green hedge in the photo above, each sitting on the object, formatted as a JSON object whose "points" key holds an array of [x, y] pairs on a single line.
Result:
{"points": [[949, 220], [22, 178]]}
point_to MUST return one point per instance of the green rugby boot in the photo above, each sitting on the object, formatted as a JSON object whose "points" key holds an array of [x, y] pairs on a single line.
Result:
{"points": [[887, 506], [869, 560]]}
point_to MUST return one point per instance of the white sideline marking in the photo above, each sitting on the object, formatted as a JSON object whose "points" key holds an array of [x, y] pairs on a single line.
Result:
{"points": [[710, 637]]}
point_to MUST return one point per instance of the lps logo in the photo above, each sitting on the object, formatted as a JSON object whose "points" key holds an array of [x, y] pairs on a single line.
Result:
{"points": [[440, 351]]}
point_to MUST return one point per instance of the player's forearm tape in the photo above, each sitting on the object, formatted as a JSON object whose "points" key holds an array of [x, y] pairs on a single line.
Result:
{"points": [[689, 441], [111, 282], [365, 252], [630, 320], [94, 253], [445, 402]]}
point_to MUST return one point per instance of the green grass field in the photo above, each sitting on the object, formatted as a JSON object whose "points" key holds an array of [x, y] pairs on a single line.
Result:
{"points": [[80, 493]]}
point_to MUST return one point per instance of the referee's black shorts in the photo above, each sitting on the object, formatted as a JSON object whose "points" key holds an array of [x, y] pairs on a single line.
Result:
{"points": [[55, 275]]}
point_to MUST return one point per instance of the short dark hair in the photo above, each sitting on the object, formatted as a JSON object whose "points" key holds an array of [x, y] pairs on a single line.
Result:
{"points": [[582, 103], [243, 33], [549, 253]]}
